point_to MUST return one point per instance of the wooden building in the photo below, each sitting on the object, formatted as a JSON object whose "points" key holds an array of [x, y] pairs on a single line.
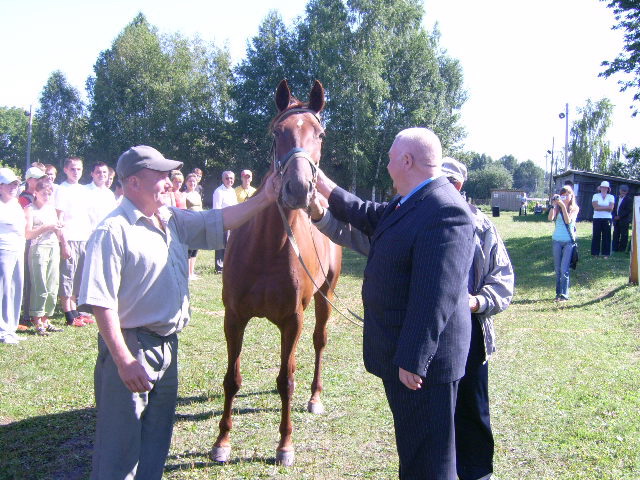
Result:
{"points": [[585, 185], [506, 199]]}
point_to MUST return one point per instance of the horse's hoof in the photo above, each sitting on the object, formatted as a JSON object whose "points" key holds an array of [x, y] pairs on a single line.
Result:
{"points": [[285, 459], [220, 454], [315, 407]]}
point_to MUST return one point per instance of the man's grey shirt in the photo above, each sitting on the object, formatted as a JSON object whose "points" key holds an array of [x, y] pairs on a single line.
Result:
{"points": [[141, 272]]}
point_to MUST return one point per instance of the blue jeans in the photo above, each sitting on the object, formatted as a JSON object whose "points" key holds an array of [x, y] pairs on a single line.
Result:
{"points": [[561, 259]]}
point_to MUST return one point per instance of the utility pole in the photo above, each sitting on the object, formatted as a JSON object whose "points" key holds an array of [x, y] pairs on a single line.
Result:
{"points": [[565, 115], [30, 115]]}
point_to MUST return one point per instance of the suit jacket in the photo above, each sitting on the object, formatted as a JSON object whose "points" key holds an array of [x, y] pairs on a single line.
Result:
{"points": [[626, 209], [416, 307]]}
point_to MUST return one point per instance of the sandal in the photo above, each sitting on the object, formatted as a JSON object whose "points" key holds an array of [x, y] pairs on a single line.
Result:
{"points": [[51, 328], [42, 331]]}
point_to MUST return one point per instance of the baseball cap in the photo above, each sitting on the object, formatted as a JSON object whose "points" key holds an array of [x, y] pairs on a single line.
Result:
{"points": [[7, 176], [34, 172], [605, 184], [453, 168], [143, 156]]}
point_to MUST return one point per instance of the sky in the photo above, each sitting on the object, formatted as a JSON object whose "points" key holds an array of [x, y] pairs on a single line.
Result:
{"points": [[522, 61]]}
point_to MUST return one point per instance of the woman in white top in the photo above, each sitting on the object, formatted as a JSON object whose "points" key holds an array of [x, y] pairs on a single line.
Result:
{"points": [[45, 232], [602, 207], [12, 223], [193, 201]]}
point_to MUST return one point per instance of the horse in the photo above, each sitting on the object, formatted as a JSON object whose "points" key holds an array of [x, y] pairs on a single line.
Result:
{"points": [[263, 276]]}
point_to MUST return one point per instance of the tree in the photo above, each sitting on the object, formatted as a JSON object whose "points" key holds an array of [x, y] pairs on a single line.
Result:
{"points": [[479, 161], [509, 162], [627, 14], [381, 70], [166, 91], [528, 177], [61, 127], [590, 150], [480, 182], [13, 136]]}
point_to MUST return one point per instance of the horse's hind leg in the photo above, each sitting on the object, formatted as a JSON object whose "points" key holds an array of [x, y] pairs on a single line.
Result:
{"points": [[323, 312], [290, 330], [234, 332]]}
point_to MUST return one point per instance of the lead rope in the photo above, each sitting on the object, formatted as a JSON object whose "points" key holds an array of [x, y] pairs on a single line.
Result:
{"points": [[294, 245]]}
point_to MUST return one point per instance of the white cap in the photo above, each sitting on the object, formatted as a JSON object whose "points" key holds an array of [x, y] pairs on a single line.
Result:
{"points": [[7, 176]]}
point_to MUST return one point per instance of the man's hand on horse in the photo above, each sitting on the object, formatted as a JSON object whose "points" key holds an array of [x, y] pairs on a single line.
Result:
{"points": [[324, 184], [272, 187], [317, 206]]}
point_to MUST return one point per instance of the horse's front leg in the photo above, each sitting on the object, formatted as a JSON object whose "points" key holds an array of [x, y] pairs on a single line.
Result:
{"points": [[290, 330], [323, 312], [234, 332]]}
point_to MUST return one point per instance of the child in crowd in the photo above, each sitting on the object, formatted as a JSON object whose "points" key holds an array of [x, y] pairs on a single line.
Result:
{"points": [[45, 232]]}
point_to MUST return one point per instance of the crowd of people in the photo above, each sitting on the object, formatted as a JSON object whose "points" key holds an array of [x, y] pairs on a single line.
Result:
{"points": [[44, 229], [437, 273], [608, 211]]}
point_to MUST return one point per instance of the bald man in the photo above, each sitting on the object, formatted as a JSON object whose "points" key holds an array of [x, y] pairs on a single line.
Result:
{"points": [[416, 307]]}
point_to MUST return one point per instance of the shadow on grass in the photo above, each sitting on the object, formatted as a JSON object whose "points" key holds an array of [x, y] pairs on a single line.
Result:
{"points": [[197, 417], [530, 218], [187, 465], [56, 446]]}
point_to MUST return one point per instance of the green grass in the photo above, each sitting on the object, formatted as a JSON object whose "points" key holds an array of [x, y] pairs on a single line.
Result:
{"points": [[564, 384]]}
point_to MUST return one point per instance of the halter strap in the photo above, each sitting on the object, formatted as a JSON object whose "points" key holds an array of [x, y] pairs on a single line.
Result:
{"points": [[281, 166]]}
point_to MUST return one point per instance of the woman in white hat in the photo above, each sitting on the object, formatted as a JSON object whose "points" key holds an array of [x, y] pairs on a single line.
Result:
{"points": [[603, 203], [12, 241]]}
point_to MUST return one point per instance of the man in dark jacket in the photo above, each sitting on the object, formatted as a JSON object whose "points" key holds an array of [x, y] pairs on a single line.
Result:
{"points": [[416, 307], [622, 214]]}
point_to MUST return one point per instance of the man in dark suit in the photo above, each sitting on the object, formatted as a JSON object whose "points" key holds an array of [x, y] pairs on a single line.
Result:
{"points": [[416, 307], [622, 214]]}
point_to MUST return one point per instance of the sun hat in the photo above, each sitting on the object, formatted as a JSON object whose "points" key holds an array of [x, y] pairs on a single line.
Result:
{"points": [[453, 168], [7, 176], [34, 172], [142, 156], [605, 184]]}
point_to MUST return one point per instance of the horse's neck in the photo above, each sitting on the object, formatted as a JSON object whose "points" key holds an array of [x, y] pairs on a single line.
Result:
{"points": [[270, 226]]}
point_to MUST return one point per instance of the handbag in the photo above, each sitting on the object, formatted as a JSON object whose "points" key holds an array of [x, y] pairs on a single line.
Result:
{"points": [[574, 251]]}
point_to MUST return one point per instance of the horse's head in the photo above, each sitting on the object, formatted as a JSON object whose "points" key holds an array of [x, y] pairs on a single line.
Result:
{"points": [[298, 135]]}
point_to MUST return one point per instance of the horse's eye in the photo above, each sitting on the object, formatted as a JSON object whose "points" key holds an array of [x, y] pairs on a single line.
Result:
{"points": [[322, 136]]}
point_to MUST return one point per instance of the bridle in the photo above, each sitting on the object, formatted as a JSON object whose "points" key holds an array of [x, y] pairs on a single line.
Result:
{"points": [[282, 164]]}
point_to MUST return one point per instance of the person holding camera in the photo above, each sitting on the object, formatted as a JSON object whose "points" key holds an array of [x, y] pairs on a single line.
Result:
{"points": [[564, 211]]}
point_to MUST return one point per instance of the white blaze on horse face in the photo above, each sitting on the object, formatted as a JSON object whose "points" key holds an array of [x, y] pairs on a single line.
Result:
{"points": [[300, 123]]}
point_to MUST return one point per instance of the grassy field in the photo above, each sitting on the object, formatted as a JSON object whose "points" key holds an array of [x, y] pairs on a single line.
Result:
{"points": [[564, 384]]}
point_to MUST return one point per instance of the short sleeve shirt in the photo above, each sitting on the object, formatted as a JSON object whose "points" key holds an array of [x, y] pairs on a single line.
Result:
{"points": [[603, 202], [141, 272], [73, 200]]}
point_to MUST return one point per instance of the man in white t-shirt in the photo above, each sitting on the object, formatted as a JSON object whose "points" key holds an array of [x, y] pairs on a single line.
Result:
{"points": [[72, 202], [224, 196], [102, 200]]}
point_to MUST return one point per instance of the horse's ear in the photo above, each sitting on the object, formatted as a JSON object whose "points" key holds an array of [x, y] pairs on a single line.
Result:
{"points": [[316, 97], [283, 95]]}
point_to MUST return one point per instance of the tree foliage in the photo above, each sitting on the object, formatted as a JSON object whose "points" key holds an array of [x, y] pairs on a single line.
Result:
{"points": [[60, 130], [590, 149], [529, 177], [627, 63], [13, 136], [381, 70], [480, 182], [165, 91]]}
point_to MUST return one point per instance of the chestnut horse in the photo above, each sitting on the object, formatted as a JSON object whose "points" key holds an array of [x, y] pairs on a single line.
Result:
{"points": [[263, 276]]}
